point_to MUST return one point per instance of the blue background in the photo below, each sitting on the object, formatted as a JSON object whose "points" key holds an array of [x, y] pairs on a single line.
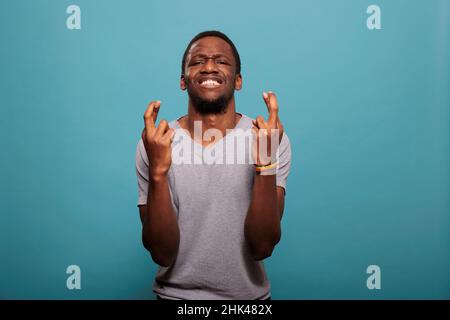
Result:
{"points": [[367, 112]]}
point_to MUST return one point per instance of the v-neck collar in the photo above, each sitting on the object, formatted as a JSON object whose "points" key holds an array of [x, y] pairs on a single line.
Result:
{"points": [[212, 146]]}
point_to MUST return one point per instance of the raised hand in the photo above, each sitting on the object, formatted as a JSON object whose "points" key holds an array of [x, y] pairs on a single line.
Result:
{"points": [[157, 142], [267, 134]]}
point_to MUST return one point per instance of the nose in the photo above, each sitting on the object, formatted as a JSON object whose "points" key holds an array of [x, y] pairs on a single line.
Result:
{"points": [[209, 66]]}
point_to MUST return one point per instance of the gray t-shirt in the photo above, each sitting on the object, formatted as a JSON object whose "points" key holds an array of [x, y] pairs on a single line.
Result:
{"points": [[211, 202]]}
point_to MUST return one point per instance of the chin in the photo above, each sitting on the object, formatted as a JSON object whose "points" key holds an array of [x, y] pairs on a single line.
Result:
{"points": [[212, 99], [210, 106]]}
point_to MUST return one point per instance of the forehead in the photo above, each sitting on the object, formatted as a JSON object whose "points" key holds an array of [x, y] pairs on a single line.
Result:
{"points": [[211, 46]]}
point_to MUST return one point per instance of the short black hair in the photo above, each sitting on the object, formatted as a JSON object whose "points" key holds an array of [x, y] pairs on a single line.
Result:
{"points": [[212, 33]]}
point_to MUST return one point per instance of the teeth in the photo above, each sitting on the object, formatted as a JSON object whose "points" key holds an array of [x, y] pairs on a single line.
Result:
{"points": [[210, 83]]}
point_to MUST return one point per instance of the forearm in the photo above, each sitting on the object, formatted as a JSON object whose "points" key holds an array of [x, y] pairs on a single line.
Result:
{"points": [[160, 233], [262, 224]]}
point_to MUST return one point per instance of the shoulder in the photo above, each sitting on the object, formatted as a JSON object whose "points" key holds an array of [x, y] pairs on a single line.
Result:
{"points": [[245, 122], [285, 139], [174, 124], [178, 122], [141, 154]]}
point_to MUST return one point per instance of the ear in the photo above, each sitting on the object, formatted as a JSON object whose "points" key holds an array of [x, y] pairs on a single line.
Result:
{"points": [[238, 82], [182, 83]]}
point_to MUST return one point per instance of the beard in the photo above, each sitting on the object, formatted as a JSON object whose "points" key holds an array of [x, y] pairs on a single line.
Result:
{"points": [[207, 106], [210, 106]]}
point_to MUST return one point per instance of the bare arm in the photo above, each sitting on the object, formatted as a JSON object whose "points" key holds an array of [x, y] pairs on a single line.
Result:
{"points": [[160, 232], [262, 224]]}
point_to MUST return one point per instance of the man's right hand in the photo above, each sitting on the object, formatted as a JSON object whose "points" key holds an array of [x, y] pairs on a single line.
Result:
{"points": [[157, 142]]}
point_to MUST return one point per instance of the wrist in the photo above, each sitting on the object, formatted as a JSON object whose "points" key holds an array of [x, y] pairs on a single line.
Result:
{"points": [[268, 169], [156, 176]]}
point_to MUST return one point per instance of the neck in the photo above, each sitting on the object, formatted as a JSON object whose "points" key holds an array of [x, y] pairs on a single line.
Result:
{"points": [[222, 121]]}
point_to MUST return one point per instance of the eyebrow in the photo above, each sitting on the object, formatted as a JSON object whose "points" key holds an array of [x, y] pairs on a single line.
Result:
{"points": [[202, 55]]}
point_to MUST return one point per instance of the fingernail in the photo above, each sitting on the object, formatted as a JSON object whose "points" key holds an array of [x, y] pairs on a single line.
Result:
{"points": [[265, 95]]}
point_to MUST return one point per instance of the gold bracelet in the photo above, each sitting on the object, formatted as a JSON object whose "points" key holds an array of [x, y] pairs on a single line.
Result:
{"points": [[265, 167]]}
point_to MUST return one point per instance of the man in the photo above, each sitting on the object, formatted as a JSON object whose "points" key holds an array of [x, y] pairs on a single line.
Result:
{"points": [[209, 226]]}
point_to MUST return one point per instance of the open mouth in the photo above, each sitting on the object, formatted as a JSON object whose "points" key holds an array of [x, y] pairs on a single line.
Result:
{"points": [[209, 83]]}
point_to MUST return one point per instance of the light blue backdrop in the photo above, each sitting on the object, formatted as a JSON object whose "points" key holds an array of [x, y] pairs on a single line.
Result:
{"points": [[367, 112]]}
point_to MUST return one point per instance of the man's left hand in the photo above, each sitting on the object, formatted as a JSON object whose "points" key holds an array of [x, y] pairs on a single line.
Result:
{"points": [[265, 130]]}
